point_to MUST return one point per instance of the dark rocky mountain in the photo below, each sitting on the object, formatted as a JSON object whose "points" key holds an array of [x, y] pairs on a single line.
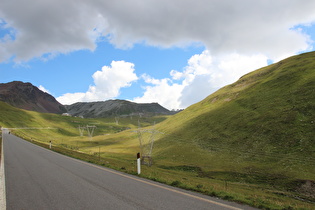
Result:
{"points": [[115, 108], [26, 96]]}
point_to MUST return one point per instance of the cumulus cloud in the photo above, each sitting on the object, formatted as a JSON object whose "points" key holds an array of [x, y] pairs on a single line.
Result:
{"points": [[203, 75], [162, 91], [217, 71], [71, 98], [244, 26], [44, 28], [107, 83]]}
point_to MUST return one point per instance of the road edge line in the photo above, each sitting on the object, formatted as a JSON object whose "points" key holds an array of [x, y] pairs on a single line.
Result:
{"points": [[3, 200]]}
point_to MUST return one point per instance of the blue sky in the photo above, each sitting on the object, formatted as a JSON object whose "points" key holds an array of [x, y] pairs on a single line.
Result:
{"points": [[152, 51], [72, 72]]}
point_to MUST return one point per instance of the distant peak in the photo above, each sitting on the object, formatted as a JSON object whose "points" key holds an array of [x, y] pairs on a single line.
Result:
{"points": [[24, 95]]}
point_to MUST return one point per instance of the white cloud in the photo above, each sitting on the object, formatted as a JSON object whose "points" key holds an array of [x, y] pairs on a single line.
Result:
{"points": [[49, 27], [43, 89], [107, 83], [203, 75], [162, 91], [247, 27], [221, 71], [71, 98]]}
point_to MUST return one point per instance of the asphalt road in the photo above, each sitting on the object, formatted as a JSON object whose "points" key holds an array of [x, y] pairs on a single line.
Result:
{"points": [[37, 178]]}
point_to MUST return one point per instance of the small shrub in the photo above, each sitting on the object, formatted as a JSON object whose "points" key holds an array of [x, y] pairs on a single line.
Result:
{"points": [[176, 183], [228, 197]]}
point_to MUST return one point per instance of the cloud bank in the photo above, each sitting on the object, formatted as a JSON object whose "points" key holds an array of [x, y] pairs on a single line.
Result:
{"points": [[45, 28]]}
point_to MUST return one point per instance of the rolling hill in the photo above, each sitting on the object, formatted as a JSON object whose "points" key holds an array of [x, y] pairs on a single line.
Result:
{"points": [[262, 124], [27, 96], [269, 110]]}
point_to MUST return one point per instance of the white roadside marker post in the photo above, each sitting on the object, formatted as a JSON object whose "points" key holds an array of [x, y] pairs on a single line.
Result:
{"points": [[138, 163], [49, 144]]}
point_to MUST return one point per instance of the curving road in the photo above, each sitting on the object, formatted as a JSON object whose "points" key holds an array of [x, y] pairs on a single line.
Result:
{"points": [[37, 178]]}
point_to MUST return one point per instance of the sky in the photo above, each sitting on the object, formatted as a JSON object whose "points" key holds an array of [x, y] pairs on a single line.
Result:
{"points": [[174, 52]]}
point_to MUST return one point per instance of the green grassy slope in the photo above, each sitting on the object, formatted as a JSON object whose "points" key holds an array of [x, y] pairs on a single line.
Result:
{"points": [[62, 129], [262, 124]]}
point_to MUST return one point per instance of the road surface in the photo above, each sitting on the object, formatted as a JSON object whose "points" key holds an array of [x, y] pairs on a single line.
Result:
{"points": [[37, 178]]}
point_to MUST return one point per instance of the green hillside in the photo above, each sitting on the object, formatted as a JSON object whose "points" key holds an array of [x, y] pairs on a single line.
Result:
{"points": [[266, 116], [63, 130], [259, 130]]}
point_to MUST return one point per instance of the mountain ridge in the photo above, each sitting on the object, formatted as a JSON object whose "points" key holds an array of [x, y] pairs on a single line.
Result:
{"points": [[115, 107], [29, 97]]}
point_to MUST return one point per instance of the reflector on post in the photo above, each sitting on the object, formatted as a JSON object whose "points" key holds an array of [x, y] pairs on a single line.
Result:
{"points": [[138, 163]]}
